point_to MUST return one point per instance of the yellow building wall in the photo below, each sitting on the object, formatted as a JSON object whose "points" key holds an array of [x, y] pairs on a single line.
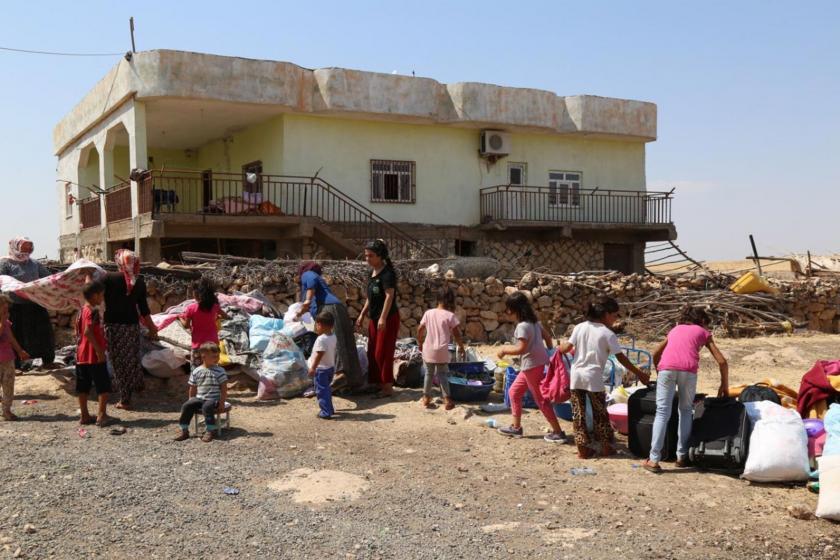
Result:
{"points": [[449, 172], [172, 159], [122, 165], [89, 174], [262, 142]]}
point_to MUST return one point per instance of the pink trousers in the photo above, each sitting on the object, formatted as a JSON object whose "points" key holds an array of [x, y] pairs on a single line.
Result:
{"points": [[529, 379]]}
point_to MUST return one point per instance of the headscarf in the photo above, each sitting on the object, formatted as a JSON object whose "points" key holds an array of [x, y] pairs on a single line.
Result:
{"points": [[16, 249], [379, 247], [309, 266], [129, 265]]}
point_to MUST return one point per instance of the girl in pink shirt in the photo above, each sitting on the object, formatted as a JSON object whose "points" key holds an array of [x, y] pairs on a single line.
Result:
{"points": [[201, 316], [677, 360], [437, 329]]}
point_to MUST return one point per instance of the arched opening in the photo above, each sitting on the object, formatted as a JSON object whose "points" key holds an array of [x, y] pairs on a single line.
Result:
{"points": [[88, 171], [116, 141]]}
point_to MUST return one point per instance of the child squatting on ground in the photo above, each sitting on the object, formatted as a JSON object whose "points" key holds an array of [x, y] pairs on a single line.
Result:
{"points": [[91, 363], [201, 316], [322, 363], [207, 393], [677, 360], [592, 343], [8, 348], [437, 329], [533, 359]]}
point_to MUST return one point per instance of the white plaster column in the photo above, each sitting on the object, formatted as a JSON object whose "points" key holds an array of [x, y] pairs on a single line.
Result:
{"points": [[106, 173], [135, 124], [138, 157]]}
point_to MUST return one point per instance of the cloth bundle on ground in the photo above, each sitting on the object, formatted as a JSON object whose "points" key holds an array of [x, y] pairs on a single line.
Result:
{"points": [[260, 330], [163, 363], [787, 396], [828, 506], [778, 445], [831, 424], [247, 303], [819, 387], [294, 327], [408, 364], [61, 292], [283, 373]]}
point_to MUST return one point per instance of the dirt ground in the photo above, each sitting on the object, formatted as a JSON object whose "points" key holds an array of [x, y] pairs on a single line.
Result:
{"points": [[383, 480]]}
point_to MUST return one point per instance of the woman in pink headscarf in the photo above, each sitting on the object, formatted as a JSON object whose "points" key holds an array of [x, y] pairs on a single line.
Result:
{"points": [[31, 323], [125, 308]]}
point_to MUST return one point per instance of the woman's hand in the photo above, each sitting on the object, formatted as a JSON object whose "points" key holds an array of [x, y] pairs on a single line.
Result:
{"points": [[24, 356], [380, 325], [500, 354], [360, 322], [723, 390]]}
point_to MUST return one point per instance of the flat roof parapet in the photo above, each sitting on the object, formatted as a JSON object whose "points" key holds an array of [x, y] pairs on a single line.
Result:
{"points": [[354, 93]]}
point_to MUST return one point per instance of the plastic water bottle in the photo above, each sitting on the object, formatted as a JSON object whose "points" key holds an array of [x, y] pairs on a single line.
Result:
{"points": [[582, 471], [491, 423]]}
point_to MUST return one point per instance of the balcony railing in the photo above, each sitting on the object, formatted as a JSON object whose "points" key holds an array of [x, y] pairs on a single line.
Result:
{"points": [[508, 203], [118, 202], [165, 192], [89, 213]]}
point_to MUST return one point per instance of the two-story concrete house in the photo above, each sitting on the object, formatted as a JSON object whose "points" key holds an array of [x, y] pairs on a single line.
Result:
{"points": [[175, 151]]}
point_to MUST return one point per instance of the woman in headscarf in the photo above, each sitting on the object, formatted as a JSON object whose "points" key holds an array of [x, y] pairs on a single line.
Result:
{"points": [[318, 297], [125, 308], [381, 308], [31, 323]]}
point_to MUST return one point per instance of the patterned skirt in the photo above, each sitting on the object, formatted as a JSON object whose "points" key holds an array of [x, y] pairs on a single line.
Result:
{"points": [[124, 352]]}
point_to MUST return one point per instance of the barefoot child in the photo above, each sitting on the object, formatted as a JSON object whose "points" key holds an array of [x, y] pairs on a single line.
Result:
{"points": [[91, 365], [8, 348], [592, 342], [207, 393], [200, 317], [677, 360], [322, 363], [437, 329], [530, 336]]}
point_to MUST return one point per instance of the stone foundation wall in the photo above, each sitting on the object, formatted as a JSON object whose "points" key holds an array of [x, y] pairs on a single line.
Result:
{"points": [[565, 255], [560, 301]]}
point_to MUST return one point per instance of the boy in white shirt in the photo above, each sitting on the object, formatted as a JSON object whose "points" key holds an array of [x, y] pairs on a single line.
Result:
{"points": [[322, 363]]}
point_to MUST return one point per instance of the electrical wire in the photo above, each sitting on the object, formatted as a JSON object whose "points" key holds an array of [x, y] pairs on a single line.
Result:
{"points": [[58, 53]]}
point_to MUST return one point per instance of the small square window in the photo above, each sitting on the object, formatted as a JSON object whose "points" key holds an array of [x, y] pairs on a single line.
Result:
{"points": [[392, 181], [517, 174]]}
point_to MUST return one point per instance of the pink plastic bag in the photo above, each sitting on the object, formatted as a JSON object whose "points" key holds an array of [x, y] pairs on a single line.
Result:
{"points": [[816, 444]]}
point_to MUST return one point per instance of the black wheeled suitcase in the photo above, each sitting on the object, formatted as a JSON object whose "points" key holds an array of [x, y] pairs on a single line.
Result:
{"points": [[720, 438], [641, 411], [759, 392]]}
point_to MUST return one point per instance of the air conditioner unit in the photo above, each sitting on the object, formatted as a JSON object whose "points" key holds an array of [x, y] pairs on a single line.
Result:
{"points": [[494, 143]]}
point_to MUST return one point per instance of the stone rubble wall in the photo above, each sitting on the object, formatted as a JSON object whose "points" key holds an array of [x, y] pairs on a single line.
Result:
{"points": [[560, 301], [564, 255]]}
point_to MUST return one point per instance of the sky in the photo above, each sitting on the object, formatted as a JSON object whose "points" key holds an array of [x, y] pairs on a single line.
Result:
{"points": [[748, 92]]}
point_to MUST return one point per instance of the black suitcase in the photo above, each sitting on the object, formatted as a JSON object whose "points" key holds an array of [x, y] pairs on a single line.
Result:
{"points": [[720, 438], [759, 392], [641, 411]]}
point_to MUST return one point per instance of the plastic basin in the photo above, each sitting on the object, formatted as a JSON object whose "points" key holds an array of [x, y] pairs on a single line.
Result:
{"points": [[814, 427], [618, 417]]}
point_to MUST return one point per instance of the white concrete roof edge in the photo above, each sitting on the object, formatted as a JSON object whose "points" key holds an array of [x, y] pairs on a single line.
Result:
{"points": [[189, 75]]}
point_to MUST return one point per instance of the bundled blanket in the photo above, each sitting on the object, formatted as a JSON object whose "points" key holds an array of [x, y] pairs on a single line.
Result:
{"points": [[60, 292], [821, 383]]}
